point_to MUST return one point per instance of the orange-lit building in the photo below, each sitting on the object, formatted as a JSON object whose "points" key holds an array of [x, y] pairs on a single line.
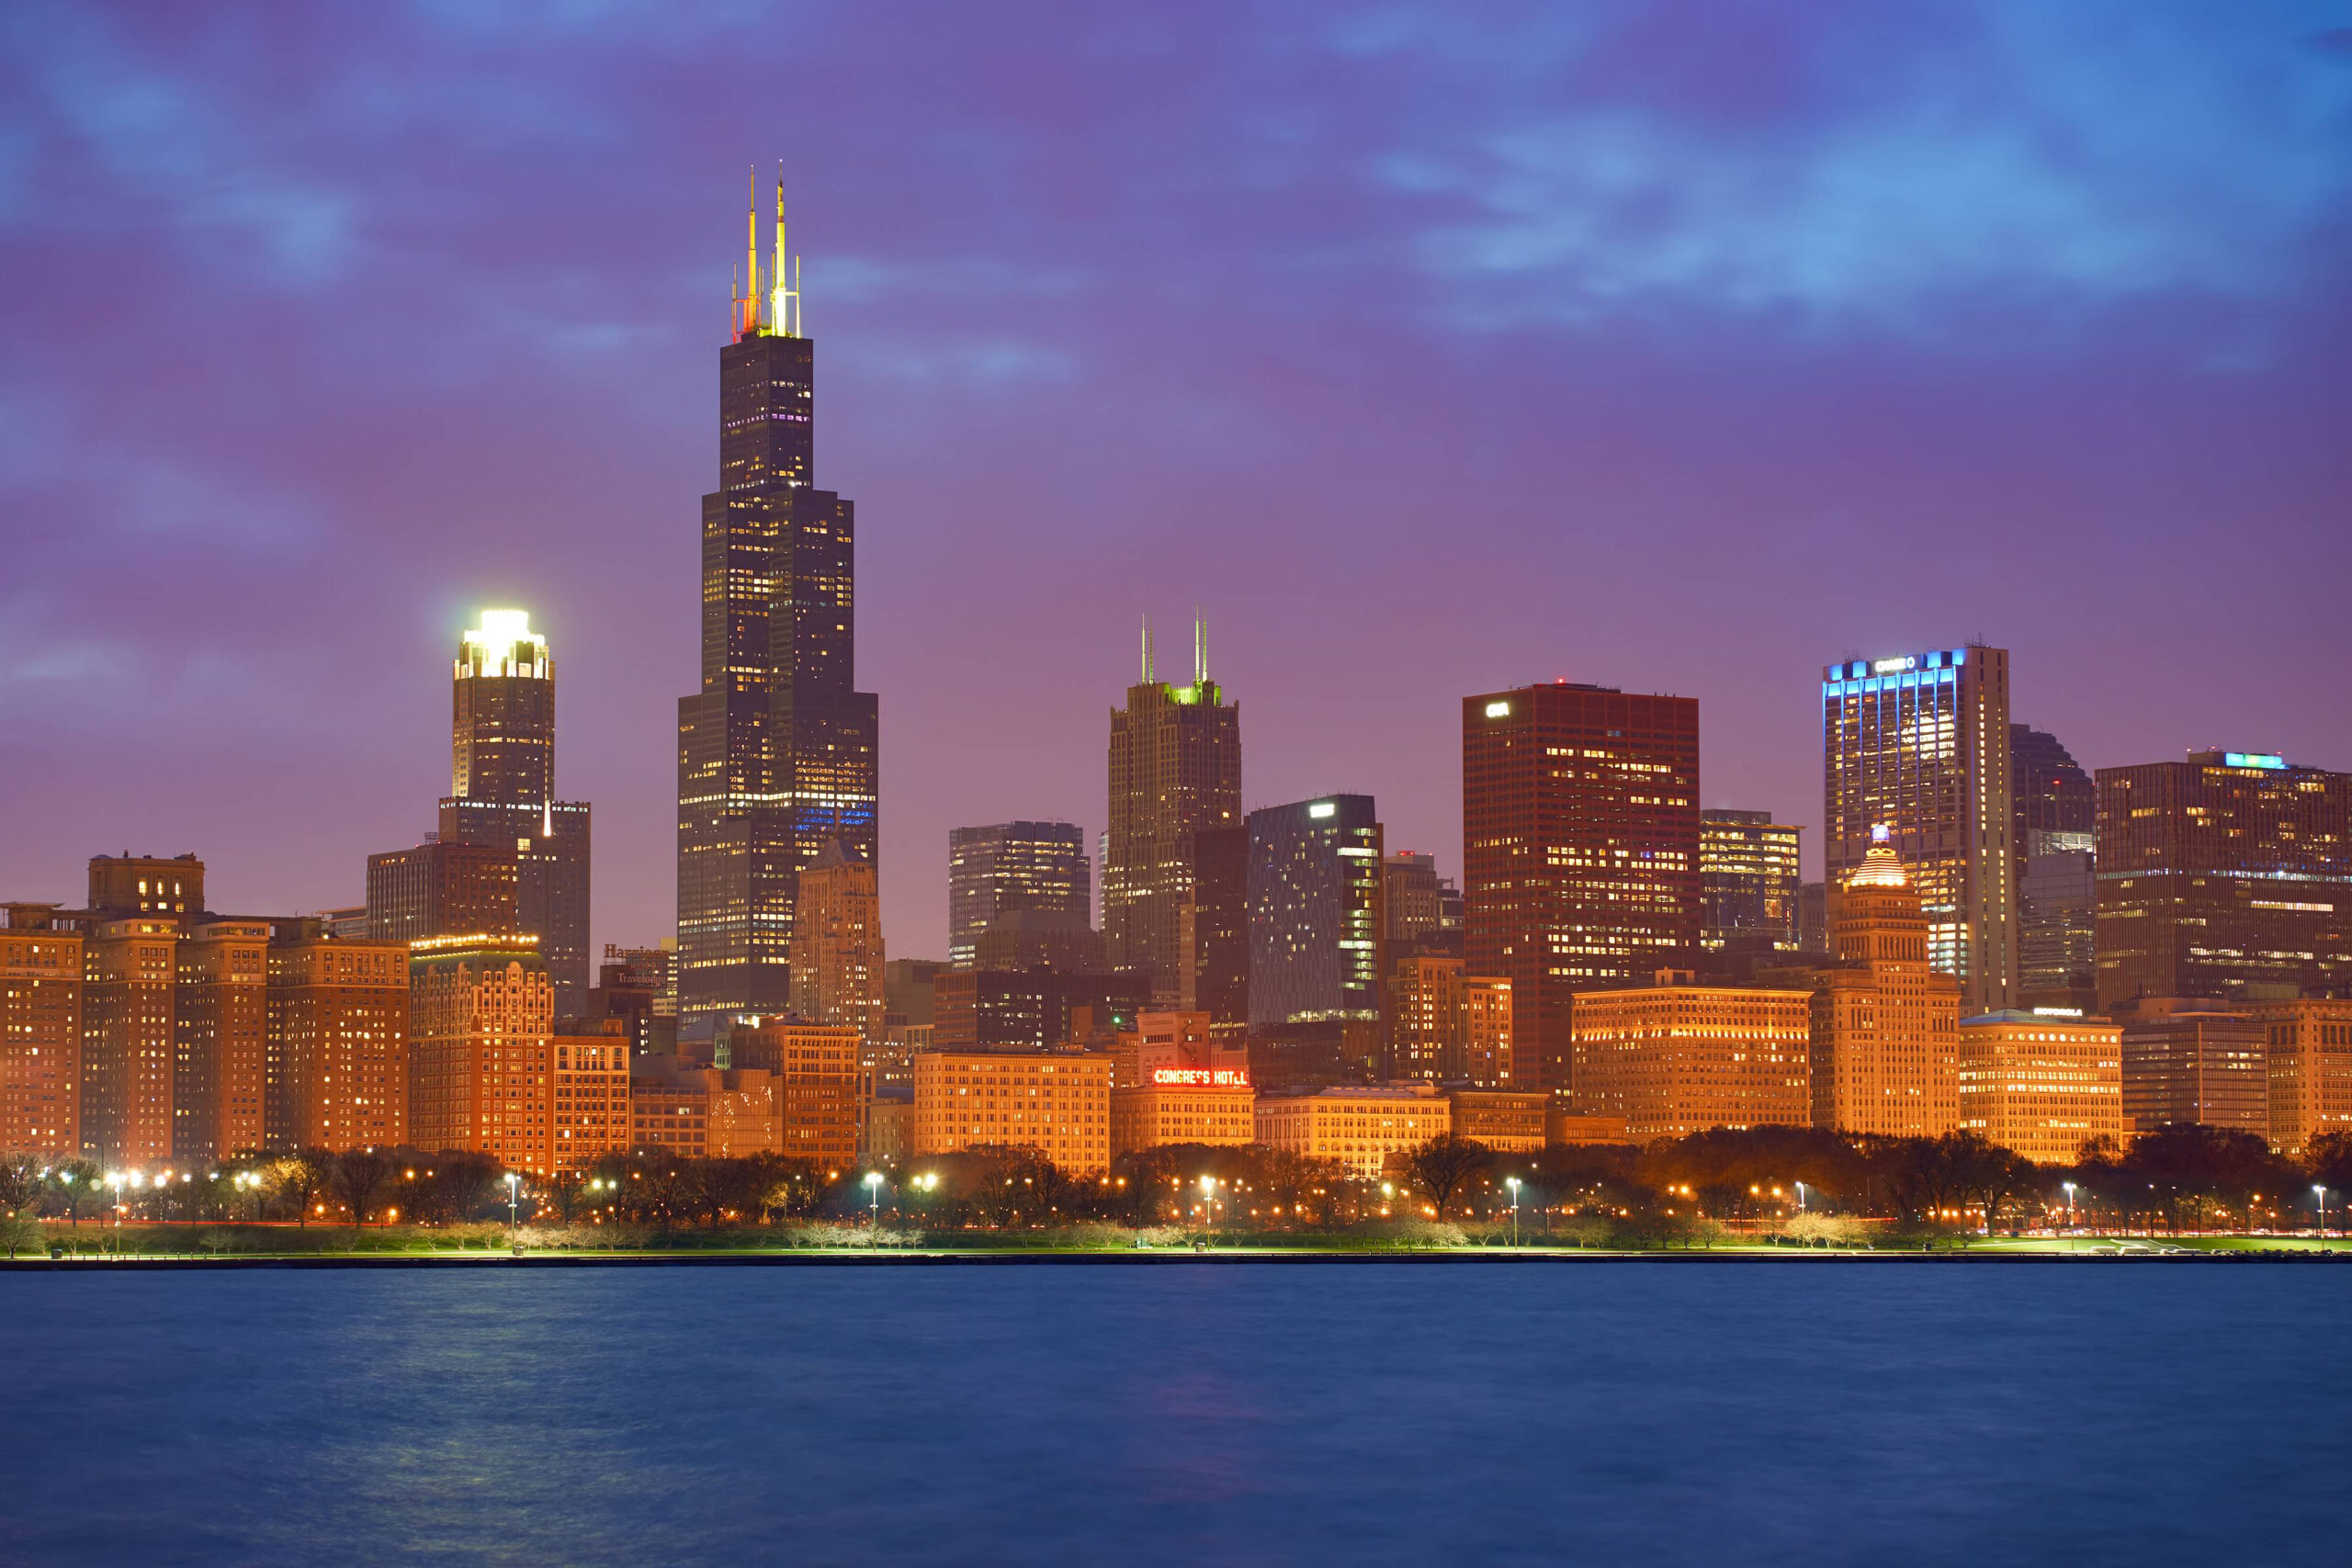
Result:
{"points": [[591, 1097], [670, 1106], [1364, 1126], [1446, 1025], [1885, 1024], [220, 1055], [1057, 1103], [2041, 1085], [2310, 1053], [339, 1041], [819, 1083], [1185, 1105], [837, 957], [1679, 1057], [41, 1034], [481, 1017], [1566, 1129], [1501, 1119], [130, 970]]}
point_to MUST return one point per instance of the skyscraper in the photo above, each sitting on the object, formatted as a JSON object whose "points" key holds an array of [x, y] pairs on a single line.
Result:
{"points": [[2057, 865], [41, 1032], [1580, 852], [837, 944], [502, 790], [1919, 744], [1885, 1025], [777, 751], [1175, 769], [1316, 922], [1010, 867], [1216, 915], [2223, 876], [1748, 879]]}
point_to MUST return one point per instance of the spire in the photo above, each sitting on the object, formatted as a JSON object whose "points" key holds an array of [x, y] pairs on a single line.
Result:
{"points": [[749, 303], [1146, 650], [1200, 647], [1881, 867], [779, 292]]}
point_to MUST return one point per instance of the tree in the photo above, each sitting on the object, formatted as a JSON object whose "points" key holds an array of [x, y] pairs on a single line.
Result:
{"points": [[2329, 1159], [73, 1182], [22, 1179], [1444, 1163], [1986, 1171], [359, 1179], [303, 1176]]}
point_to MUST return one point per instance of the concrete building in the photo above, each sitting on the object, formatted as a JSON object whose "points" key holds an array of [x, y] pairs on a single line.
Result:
{"points": [[338, 1039], [2307, 1044], [1365, 1127], [1507, 1123], [2188, 1060], [1008, 868], [2041, 1085], [1675, 1058], [40, 1033], [590, 1098], [128, 1039], [1447, 1026], [1055, 1102], [1919, 745], [482, 1017], [1884, 1053], [220, 1051], [821, 1084], [837, 960]]}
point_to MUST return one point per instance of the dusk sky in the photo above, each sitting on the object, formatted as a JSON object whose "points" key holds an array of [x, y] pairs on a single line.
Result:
{"points": [[1679, 348]]}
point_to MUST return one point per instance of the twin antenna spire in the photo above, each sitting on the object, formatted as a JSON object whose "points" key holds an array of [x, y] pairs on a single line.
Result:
{"points": [[1200, 651], [781, 297]]}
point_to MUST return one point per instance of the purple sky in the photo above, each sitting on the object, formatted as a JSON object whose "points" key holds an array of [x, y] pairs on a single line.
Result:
{"points": [[1679, 348]]}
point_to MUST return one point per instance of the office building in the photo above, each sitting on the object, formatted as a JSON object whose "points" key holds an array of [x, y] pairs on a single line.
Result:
{"points": [[2056, 865], [2307, 1044], [338, 1039], [1422, 909], [637, 988], [1447, 1026], [40, 1033], [1367, 1128], [481, 1020], [777, 750], [1013, 867], [2041, 1085], [1055, 1102], [669, 1106], [1039, 939], [1175, 768], [503, 792], [1028, 1010], [1215, 925], [1504, 1121], [2228, 875], [589, 1096], [1316, 920], [2194, 1061], [837, 944], [1918, 744], [817, 1070], [1580, 852], [2048, 790], [1749, 881], [1675, 1057], [1812, 917], [1883, 1031], [128, 1039], [219, 1048], [442, 889]]}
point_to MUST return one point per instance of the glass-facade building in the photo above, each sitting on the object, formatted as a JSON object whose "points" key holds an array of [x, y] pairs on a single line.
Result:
{"points": [[1748, 880], [1316, 918], [1919, 743], [2056, 856], [1010, 867], [778, 750]]}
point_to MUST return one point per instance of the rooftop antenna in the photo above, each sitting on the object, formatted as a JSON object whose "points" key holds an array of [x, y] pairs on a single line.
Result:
{"points": [[1200, 647], [1146, 650], [784, 297], [751, 300]]}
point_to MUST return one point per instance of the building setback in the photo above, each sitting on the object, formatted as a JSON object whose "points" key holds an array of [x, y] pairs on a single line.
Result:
{"points": [[1918, 744], [2224, 875], [1580, 852], [777, 751]]}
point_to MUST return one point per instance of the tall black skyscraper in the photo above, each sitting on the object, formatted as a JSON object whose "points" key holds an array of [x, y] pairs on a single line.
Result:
{"points": [[777, 751]]}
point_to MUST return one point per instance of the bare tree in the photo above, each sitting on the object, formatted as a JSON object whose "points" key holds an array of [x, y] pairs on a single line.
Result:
{"points": [[303, 1176], [1441, 1166], [360, 1176]]}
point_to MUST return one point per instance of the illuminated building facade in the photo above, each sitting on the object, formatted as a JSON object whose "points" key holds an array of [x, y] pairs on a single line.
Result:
{"points": [[482, 1017], [1175, 768], [441, 889], [1316, 918], [1919, 744], [220, 1051], [1580, 852], [339, 1041], [1885, 1029], [40, 1033], [1366, 1127], [2041, 1086], [1447, 1026], [1507, 1123], [1013, 867], [1057, 1103], [2229, 871], [2307, 1044], [2056, 847], [837, 944], [502, 792], [1184, 1105], [636, 988], [589, 1098], [1748, 879], [819, 1083], [778, 750], [1674, 1058], [128, 1045], [2191, 1061]]}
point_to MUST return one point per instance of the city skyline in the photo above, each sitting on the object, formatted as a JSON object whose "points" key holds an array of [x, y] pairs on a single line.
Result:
{"points": [[2083, 419]]}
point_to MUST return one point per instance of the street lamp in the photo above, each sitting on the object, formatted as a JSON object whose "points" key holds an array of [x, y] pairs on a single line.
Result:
{"points": [[1799, 1197], [2320, 1193], [874, 1188], [1512, 1182], [2070, 1204], [514, 1201]]}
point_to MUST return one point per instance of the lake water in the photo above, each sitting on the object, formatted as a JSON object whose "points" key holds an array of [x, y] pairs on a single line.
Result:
{"points": [[1795, 1411]]}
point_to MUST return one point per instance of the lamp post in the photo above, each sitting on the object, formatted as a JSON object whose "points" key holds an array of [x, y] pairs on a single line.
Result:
{"points": [[873, 1190], [513, 1203], [1512, 1182], [1799, 1197], [2070, 1204], [2320, 1193], [1208, 1198]]}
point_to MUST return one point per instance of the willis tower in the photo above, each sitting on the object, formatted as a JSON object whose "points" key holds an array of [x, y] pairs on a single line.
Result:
{"points": [[777, 751]]}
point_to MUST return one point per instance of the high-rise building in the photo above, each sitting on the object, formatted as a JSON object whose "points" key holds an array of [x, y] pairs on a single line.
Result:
{"points": [[338, 1039], [817, 1070], [1448, 1026], [1748, 880], [502, 790], [1009, 868], [1215, 924], [2222, 876], [1675, 1057], [2194, 1061], [992, 1009], [1580, 852], [1316, 918], [41, 1032], [2041, 1085], [837, 944], [2308, 1043], [481, 1020], [777, 751], [637, 988], [2049, 790], [1039, 939], [1919, 744], [128, 1044], [1175, 770], [588, 1098], [1057, 1103], [1885, 1024], [220, 1055], [2053, 847], [442, 889]]}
